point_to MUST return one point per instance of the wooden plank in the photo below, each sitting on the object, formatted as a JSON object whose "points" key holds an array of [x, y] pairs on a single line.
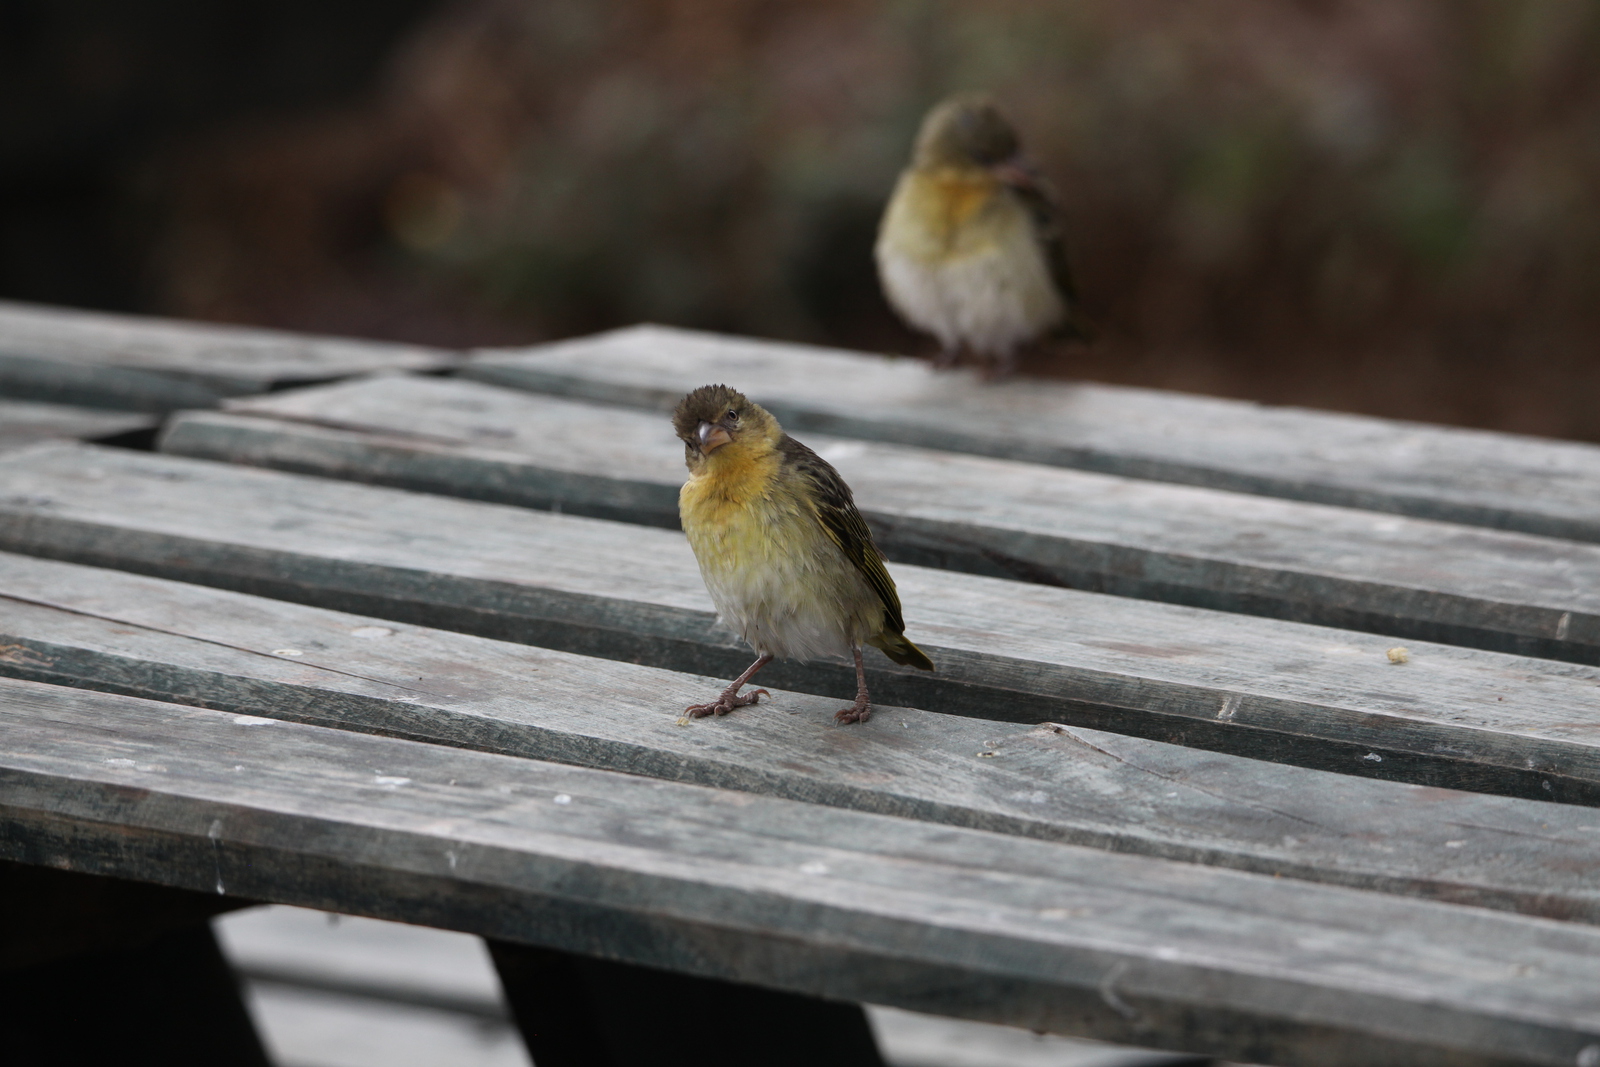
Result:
{"points": [[1408, 578], [148, 364], [1006, 651], [154, 638], [23, 422], [1486, 479], [787, 895]]}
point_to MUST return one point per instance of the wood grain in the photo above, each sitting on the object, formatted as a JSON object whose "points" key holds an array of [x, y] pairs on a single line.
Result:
{"points": [[1006, 651], [148, 364], [1487, 479], [793, 896], [1408, 578], [149, 637]]}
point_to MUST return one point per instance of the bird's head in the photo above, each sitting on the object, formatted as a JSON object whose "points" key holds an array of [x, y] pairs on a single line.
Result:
{"points": [[966, 131], [715, 419]]}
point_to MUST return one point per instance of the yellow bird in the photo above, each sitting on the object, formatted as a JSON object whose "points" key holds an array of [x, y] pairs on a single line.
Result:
{"points": [[787, 558], [970, 247]]}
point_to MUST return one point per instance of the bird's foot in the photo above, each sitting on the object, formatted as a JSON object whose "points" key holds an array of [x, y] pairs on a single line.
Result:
{"points": [[725, 703], [860, 711], [946, 358]]}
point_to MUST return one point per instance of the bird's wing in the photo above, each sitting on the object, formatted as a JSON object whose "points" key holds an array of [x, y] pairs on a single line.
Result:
{"points": [[836, 510], [1039, 197]]}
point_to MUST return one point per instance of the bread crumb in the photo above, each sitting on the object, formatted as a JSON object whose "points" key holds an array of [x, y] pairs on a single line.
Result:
{"points": [[1399, 654]]}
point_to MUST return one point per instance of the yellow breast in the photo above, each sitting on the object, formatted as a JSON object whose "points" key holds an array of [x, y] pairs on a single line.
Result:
{"points": [[721, 493], [773, 573], [937, 214]]}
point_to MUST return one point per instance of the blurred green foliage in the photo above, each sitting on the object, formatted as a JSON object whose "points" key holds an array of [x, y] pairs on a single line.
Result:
{"points": [[1380, 205]]}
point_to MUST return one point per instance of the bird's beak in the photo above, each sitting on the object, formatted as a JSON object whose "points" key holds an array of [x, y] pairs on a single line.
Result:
{"points": [[712, 437], [1018, 172]]}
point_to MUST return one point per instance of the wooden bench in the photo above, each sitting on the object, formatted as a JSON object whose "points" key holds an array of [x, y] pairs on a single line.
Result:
{"points": [[1409, 578], [134, 363], [1007, 651], [1108, 815], [155, 638], [25, 421], [1434, 472]]}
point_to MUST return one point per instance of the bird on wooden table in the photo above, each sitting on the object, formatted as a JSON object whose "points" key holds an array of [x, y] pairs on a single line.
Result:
{"points": [[787, 558], [970, 247]]}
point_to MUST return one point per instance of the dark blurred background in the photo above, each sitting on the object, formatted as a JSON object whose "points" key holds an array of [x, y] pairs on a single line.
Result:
{"points": [[1386, 206]]}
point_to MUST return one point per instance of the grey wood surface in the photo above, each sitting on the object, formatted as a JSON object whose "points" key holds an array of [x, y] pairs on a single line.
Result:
{"points": [[149, 637], [795, 896], [1409, 578], [148, 364], [1006, 651], [23, 421], [1512, 482]]}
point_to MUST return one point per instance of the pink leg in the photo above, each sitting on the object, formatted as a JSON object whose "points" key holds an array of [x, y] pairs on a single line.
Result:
{"points": [[730, 698], [861, 710]]}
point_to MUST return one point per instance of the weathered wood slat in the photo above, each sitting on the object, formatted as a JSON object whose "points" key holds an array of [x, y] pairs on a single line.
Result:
{"points": [[788, 895], [1486, 479], [1006, 651], [149, 637], [23, 421], [1409, 578], [148, 364]]}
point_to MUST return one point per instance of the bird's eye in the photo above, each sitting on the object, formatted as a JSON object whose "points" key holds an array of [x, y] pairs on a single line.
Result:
{"points": [[733, 416]]}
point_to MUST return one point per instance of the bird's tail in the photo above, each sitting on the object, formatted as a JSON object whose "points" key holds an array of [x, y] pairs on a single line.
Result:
{"points": [[897, 648]]}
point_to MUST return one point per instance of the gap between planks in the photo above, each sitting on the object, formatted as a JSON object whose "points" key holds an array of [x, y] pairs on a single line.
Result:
{"points": [[1407, 578], [149, 637], [1007, 651]]}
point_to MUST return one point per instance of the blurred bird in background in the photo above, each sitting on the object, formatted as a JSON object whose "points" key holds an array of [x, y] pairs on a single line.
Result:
{"points": [[970, 248], [787, 558]]}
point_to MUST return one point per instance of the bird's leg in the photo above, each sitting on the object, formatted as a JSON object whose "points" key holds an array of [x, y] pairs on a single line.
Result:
{"points": [[730, 697], [861, 710]]}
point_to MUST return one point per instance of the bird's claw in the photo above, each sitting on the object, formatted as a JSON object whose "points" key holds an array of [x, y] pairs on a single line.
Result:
{"points": [[725, 703], [860, 711]]}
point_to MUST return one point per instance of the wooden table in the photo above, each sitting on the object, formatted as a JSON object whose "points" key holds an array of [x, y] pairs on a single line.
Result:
{"points": [[1167, 787]]}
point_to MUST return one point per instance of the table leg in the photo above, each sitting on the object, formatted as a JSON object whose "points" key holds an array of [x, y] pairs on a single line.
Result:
{"points": [[576, 1011], [100, 971]]}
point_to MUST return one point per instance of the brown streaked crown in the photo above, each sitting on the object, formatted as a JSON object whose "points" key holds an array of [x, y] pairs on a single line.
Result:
{"points": [[720, 406]]}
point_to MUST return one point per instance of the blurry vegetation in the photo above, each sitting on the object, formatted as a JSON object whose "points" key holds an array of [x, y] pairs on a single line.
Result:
{"points": [[1389, 206]]}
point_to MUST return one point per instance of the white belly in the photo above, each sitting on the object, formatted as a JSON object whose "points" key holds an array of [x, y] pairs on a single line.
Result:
{"points": [[988, 295]]}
